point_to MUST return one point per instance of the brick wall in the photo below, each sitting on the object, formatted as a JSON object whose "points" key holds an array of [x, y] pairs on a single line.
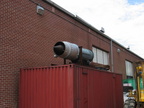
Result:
{"points": [[27, 39]]}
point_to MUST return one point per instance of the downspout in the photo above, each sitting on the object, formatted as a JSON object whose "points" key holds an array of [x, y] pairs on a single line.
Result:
{"points": [[111, 49]]}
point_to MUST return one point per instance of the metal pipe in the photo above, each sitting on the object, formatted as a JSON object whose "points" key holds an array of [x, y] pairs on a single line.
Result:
{"points": [[111, 49]]}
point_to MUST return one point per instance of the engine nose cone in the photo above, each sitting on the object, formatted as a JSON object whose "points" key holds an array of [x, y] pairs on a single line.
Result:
{"points": [[59, 49]]}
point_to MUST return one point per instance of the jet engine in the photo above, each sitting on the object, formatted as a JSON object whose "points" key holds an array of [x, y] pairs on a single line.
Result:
{"points": [[72, 52]]}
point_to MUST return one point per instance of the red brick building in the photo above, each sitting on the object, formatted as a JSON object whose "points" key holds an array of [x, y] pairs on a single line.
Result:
{"points": [[27, 40]]}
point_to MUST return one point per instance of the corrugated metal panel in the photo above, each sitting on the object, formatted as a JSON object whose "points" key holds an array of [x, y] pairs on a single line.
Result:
{"points": [[69, 86], [118, 90], [50, 87], [99, 89]]}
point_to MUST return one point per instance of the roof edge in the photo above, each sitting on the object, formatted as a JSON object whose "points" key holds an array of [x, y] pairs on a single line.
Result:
{"points": [[77, 18]]}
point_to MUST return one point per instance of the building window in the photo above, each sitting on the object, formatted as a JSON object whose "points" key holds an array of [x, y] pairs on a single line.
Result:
{"points": [[100, 56], [129, 69]]}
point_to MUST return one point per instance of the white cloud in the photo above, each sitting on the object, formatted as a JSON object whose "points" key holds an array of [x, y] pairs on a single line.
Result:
{"points": [[122, 22]]}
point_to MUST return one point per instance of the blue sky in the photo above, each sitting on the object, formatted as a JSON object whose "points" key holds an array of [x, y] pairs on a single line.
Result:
{"points": [[133, 2]]}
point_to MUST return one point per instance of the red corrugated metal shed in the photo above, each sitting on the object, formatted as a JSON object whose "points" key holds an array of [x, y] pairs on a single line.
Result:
{"points": [[70, 86]]}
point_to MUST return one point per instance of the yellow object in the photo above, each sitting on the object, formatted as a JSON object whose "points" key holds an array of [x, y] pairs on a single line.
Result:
{"points": [[139, 78], [142, 95], [140, 84], [139, 68]]}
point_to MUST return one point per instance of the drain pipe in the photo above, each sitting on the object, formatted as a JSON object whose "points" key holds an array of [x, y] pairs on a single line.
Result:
{"points": [[111, 49]]}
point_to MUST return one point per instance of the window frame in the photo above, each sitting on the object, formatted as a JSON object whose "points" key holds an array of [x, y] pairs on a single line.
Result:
{"points": [[100, 56], [129, 69]]}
